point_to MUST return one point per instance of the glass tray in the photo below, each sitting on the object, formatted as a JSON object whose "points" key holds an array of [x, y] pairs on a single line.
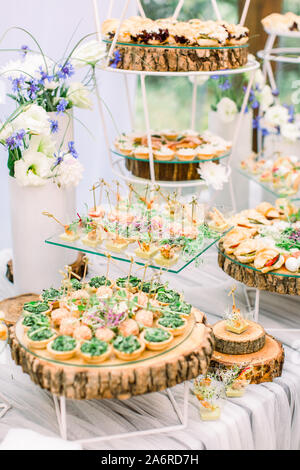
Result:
{"points": [[268, 186], [115, 362], [248, 266], [127, 254], [169, 46], [225, 155]]}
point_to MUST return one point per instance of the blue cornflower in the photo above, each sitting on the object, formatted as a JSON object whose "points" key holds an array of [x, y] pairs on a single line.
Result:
{"points": [[72, 149], [61, 107], [65, 71], [24, 50], [17, 84], [256, 123], [264, 131], [215, 77], [59, 159], [43, 74], [291, 111], [15, 140], [33, 89], [115, 61], [53, 125], [275, 92], [225, 85], [255, 104]]}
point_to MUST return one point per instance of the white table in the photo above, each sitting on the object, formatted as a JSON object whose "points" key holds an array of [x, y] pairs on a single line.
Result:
{"points": [[267, 417]]}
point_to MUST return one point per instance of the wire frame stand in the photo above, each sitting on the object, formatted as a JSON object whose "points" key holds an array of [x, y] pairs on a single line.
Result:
{"points": [[116, 165], [4, 404], [182, 415]]}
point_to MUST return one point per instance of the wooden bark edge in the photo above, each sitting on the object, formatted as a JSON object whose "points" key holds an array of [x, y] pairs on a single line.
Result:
{"points": [[121, 382], [284, 285], [236, 344]]}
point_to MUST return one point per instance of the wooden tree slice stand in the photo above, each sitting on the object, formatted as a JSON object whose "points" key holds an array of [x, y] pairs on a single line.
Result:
{"points": [[164, 171], [267, 363], [270, 282], [13, 307], [250, 341], [185, 361], [176, 59]]}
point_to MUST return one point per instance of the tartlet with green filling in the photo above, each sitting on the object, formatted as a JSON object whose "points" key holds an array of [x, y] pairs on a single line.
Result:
{"points": [[167, 296], [95, 351], [131, 282], [98, 281], [151, 287], [38, 338], [179, 308], [35, 321], [36, 307], [52, 296], [157, 339], [63, 347], [128, 348], [173, 323]]}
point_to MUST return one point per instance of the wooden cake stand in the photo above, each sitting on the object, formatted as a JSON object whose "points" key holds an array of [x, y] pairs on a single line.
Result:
{"points": [[252, 347], [188, 356]]}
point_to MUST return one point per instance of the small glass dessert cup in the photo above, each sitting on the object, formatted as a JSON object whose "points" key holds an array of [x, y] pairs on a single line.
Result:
{"points": [[95, 351], [156, 339], [209, 410], [63, 347], [237, 388]]}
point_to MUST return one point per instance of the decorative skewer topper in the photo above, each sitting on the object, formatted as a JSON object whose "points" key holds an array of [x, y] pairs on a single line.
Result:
{"points": [[235, 322]]}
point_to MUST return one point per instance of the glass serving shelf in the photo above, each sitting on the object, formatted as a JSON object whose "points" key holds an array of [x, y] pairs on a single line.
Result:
{"points": [[113, 362], [174, 161], [175, 46], [127, 254], [268, 186], [281, 272]]}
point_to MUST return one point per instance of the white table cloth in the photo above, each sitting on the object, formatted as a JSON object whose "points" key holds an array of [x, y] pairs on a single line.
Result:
{"points": [[267, 417]]}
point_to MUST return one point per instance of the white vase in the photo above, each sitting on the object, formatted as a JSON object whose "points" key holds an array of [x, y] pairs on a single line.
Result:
{"points": [[226, 130], [65, 132], [35, 263]]}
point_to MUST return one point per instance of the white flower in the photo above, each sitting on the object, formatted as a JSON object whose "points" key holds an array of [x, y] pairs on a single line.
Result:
{"points": [[259, 79], [200, 79], [88, 53], [227, 109], [69, 171], [266, 98], [213, 174], [79, 95], [50, 85], [43, 144], [6, 131], [29, 67], [290, 131], [277, 115], [33, 169], [34, 118]]}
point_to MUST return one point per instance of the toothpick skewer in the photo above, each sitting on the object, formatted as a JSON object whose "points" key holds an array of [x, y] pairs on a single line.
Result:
{"points": [[93, 188], [144, 275], [233, 289], [130, 269], [51, 216], [107, 268], [101, 184], [86, 262]]}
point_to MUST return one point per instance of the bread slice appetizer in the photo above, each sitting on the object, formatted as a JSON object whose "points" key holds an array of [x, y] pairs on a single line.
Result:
{"points": [[268, 259]]}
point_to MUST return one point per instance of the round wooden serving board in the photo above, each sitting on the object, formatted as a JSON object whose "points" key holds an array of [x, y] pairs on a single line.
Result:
{"points": [[13, 307], [250, 341], [187, 357], [277, 283], [267, 363]]}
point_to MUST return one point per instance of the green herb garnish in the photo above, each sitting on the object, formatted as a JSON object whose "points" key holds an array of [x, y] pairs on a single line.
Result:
{"points": [[94, 347], [167, 296], [183, 308], [36, 321], [40, 334], [156, 335], [75, 284], [171, 321], [63, 343], [132, 281], [127, 344], [36, 307], [51, 294], [99, 281]]}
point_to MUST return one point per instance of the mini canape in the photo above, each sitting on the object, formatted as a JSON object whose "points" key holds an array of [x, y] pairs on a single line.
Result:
{"points": [[51, 296], [69, 235], [38, 338], [95, 351], [62, 347], [35, 321], [167, 256], [186, 154], [167, 296], [164, 154], [173, 324], [37, 307], [92, 238], [128, 348], [132, 283], [146, 250], [117, 244], [157, 339]]}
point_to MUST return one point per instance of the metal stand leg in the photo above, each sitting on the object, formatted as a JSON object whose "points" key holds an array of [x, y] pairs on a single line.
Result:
{"points": [[4, 406], [60, 409], [256, 308]]}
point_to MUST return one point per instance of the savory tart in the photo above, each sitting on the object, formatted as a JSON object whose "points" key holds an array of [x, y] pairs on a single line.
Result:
{"points": [[62, 347], [37, 307], [95, 351], [173, 324], [38, 338], [35, 321], [157, 339], [128, 348]]}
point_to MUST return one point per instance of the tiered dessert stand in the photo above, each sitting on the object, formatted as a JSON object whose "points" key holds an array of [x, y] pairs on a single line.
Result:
{"points": [[117, 165]]}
